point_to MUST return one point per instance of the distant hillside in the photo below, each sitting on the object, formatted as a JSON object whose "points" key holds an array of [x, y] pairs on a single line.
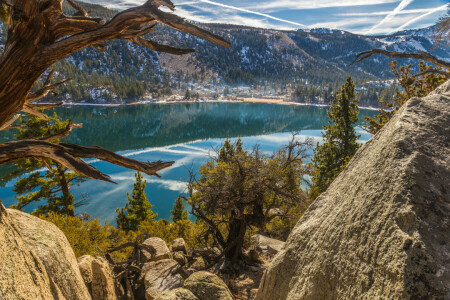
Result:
{"points": [[267, 58]]}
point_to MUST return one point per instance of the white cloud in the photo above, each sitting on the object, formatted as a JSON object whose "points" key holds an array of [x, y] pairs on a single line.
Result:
{"points": [[412, 21], [391, 15], [383, 13], [296, 4]]}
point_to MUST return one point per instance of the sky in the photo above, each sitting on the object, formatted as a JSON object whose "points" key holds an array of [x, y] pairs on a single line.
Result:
{"points": [[357, 16]]}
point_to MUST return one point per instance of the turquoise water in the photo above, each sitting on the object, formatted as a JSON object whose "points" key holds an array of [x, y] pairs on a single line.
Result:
{"points": [[184, 133]]}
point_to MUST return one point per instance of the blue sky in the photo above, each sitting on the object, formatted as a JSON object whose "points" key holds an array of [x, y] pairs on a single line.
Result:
{"points": [[358, 16]]}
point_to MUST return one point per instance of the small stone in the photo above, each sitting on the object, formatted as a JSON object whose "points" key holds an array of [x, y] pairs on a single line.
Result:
{"points": [[207, 286], [179, 245], [162, 251]]}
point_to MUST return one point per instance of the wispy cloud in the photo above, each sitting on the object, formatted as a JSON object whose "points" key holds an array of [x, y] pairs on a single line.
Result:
{"points": [[384, 13], [251, 12], [391, 15], [412, 21], [296, 4]]}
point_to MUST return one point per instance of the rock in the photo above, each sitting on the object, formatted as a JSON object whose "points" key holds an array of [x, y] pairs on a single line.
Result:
{"points": [[207, 286], [103, 287], [85, 266], [162, 251], [22, 274], [51, 246], [381, 230], [179, 245], [180, 258], [198, 263], [177, 294], [266, 245], [161, 276]]}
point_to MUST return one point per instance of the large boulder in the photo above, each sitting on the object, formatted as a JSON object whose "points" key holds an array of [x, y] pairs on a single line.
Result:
{"points": [[160, 247], [161, 276], [22, 274], [381, 230], [207, 286], [53, 249], [178, 294], [85, 266]]}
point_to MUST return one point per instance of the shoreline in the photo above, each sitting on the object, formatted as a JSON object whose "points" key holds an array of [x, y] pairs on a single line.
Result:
{"points": [[241, 100]]}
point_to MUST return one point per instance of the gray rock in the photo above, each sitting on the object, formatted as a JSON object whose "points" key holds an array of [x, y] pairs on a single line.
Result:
{"points": [[53, 249], [265, 244], [161, 276], [22, 274], [178, 294], [180, 257], [381, 230], [207, 286], [85, 266], [103, 287], [198, 263], [179, 245], [162, 251]]}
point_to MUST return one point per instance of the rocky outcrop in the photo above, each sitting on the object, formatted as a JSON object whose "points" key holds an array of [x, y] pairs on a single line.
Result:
{"points": [[22, 274], [161, 276], [51, 246], [207, 286], [178, 294], [381, 230], [160, 247]]}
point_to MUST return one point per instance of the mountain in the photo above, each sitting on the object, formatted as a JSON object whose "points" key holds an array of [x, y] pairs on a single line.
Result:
{"points": [[272, 61]]}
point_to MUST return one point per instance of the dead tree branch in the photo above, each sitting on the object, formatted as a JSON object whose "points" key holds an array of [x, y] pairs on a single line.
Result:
{"points": [[8, 125], [69, 156], [392, 54], [62, 134]]}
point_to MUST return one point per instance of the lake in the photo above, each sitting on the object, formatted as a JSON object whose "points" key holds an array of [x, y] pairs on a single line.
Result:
{"points": [[186, 133]]}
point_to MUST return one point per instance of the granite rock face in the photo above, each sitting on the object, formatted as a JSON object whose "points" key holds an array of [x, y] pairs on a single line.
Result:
{"points": [[382, 229], [22, 274], [51, 246], [160, 247]]}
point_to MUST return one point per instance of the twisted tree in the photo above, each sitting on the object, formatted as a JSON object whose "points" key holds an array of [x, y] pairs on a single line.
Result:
{"points": [[38, 35]]}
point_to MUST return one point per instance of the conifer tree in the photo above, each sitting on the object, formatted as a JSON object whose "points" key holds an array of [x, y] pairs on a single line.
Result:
{"points": [[51, 186], [138, 208], [178, 212], [340, 137]]}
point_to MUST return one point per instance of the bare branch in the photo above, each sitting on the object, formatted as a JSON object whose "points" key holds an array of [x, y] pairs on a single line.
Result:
{"points": [[69, 156], [46, 88], [80, 11], [158, 47], [392, 54], [137, 17], [63, 134], [28, 109], [438, 71]]}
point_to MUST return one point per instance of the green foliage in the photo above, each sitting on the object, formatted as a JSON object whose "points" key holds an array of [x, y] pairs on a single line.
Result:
{"points": [[53, 185], [412, 86], [4, 11], [178, 212], [138, 208], [239, 190], [339, 140]]}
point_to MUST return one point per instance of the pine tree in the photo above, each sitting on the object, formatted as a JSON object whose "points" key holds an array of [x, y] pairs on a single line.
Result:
{"points": [[51, 186], [178, 212], [137, 209], [340, 138]]}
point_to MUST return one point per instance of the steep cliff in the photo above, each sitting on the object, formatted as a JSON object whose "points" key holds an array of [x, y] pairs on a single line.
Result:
{"points": [[382, 229]]}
